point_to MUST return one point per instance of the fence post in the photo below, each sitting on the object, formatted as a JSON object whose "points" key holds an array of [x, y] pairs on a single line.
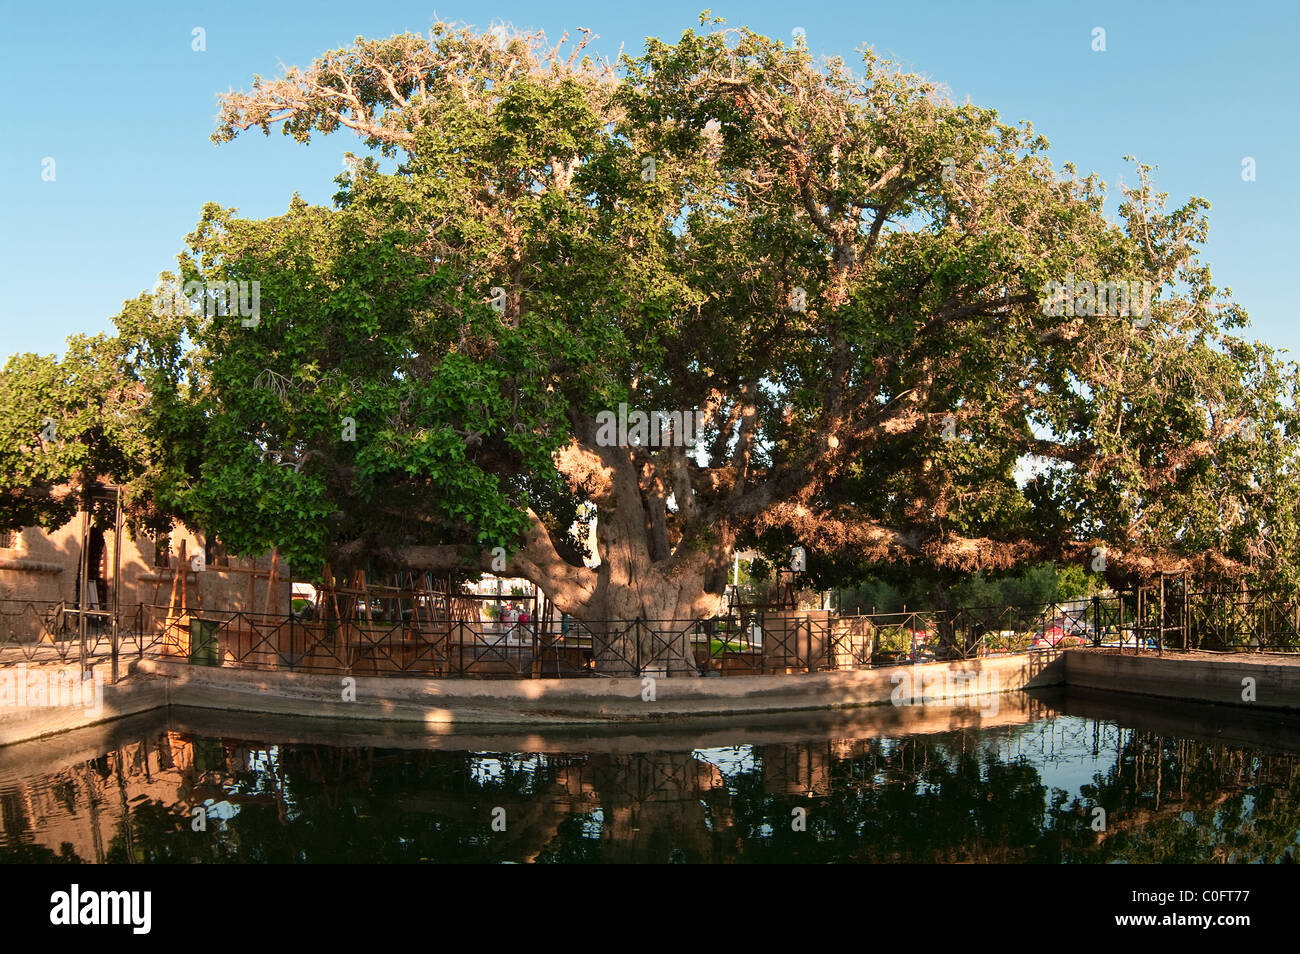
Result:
{"points": [[116, 644], [117, 579], [1121, 621], [83, 577], [1160, 638], [1138, 620], [535, 652]]}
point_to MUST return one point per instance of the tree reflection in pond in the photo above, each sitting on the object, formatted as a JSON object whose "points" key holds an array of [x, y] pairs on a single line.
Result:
{"points": [[1018, 793]]}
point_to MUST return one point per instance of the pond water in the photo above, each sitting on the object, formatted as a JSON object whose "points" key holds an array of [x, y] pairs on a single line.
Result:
{"points": [[1175, 783]]}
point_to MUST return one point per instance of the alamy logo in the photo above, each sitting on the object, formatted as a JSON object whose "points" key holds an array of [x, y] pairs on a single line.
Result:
{"points": [[75, 907], [212, 298], [1114, 299], [656, 429], [947, 688], [43, 688]]}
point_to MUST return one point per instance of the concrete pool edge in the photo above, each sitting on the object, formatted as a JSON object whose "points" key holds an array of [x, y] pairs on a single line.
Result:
{"points": [[594, 701], [610, 702], [1246, 681], [134, 695]]}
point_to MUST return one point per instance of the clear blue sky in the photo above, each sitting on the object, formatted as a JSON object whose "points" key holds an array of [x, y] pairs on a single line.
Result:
{"points": [[117, 97]]}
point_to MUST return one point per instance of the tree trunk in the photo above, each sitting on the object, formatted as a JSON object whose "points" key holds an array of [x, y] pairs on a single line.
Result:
{"points": [[645, 628], [641, 603], [648, 595]]}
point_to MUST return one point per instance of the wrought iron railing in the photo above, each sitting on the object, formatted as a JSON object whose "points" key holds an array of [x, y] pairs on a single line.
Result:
{"points": [[38, 631], [779, 642]]}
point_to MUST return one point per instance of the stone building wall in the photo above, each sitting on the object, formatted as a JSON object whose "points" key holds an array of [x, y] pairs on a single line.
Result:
{"points": [[43, 566]]}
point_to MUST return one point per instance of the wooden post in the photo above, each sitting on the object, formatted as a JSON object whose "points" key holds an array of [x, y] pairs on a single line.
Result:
{"points": [[171, 598], [364, 586], [271, 581], [185, 581], [333, 593], [170, 626], [83, 581], [1160, 641], [117, 579], [198, 580]]}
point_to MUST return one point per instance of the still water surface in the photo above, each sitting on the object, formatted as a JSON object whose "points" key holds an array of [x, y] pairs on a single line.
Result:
{"points": [[1177, 784]]}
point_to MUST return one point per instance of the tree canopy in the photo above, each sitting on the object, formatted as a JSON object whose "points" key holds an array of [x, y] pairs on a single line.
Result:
{"points": [[844, 272]]}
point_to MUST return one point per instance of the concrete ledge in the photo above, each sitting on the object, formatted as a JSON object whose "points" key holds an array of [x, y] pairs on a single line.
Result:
{"points": [[618, 704], [1191, 677], [595, 700], [136, 694], [28, 566]]}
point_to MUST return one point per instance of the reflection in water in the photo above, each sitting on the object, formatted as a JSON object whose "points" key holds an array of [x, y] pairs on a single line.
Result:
{"points": [[1003, 793]]}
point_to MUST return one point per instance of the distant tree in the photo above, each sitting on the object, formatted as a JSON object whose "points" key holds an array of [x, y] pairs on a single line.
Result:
{"points": [[1032, 585], [114, 408]]}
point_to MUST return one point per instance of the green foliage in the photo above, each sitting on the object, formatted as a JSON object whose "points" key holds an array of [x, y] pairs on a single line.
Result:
{"points": [[871, 596], [921, 233], [67, 424], [756, 570], [1036, 585]]}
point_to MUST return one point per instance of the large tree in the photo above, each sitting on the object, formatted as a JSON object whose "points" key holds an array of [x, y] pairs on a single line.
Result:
{"points": [[843, 271]]}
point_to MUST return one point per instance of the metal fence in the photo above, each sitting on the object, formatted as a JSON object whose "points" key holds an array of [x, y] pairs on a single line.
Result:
{"points": [[35, 633], [41, 631], [1234, 621]]}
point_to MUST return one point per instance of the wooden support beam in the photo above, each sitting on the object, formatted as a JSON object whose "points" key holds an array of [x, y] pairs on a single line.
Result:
{"points": [[271, 581], [178, 583], [185, 577]]}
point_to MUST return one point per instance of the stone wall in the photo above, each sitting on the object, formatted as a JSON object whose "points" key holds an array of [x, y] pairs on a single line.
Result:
{"points": [[43, 565]]}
